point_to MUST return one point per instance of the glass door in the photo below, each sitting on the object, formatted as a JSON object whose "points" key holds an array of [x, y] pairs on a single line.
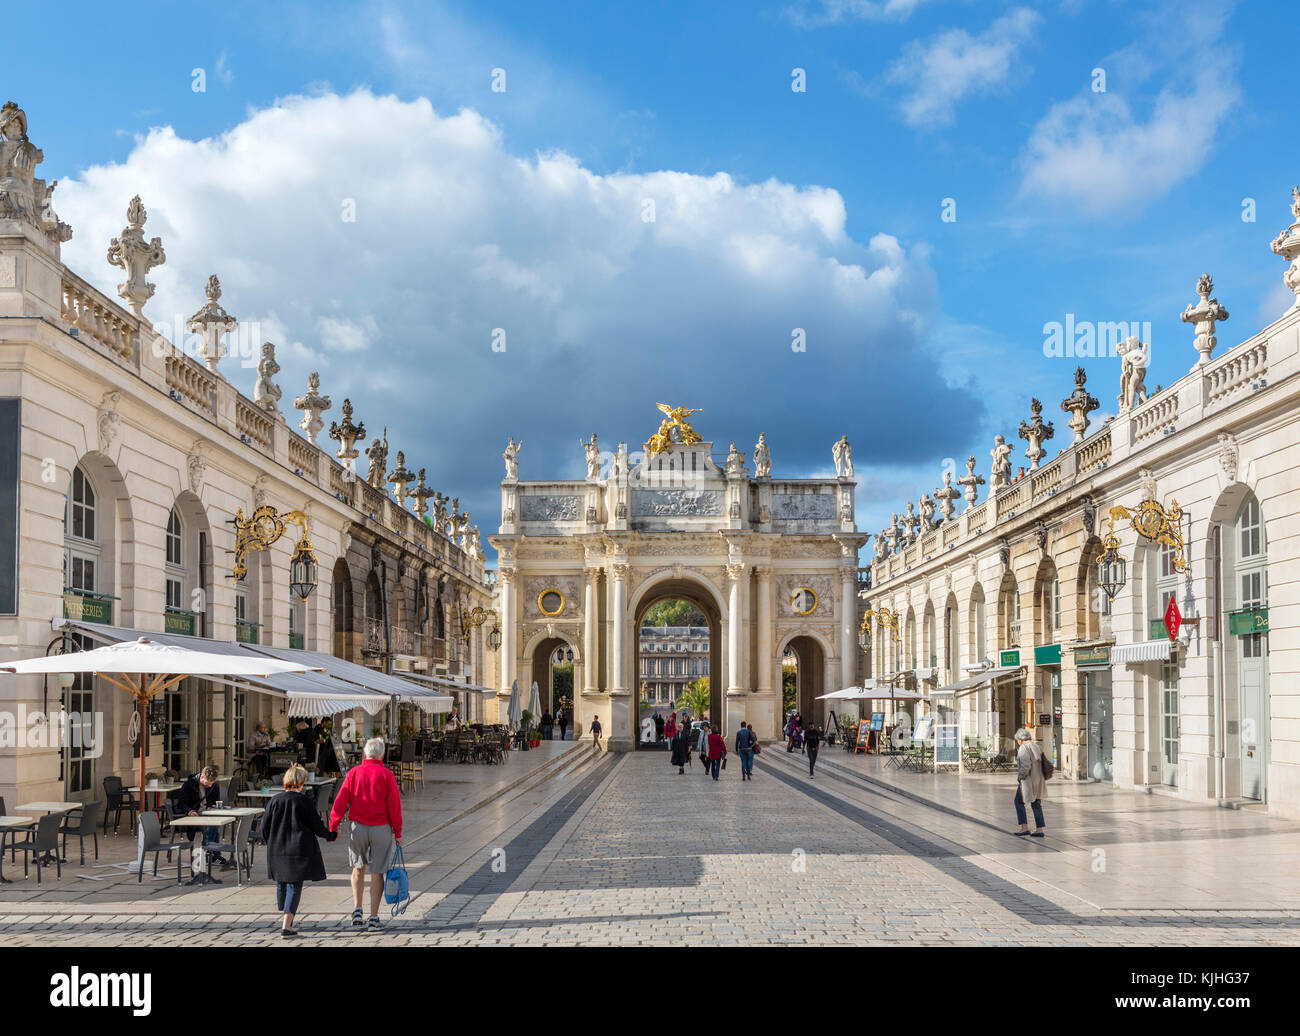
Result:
{"points": [[1100, 725], [1170, 723]]}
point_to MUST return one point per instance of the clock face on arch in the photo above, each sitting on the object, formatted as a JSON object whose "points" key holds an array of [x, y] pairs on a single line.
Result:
{"points": [[804, 600], [550, 602]]}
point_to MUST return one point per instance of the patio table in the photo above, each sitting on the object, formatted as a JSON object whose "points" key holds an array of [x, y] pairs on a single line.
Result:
{"points": [[210, 819]]}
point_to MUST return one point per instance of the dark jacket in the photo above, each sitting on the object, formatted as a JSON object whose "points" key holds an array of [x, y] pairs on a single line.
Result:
{"points": [[681, 748], [291, 826], [812, 738], [192, 793], [745, 739]]}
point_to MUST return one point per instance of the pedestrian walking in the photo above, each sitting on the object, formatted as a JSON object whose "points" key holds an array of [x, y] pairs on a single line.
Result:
{"points": [[291, 827], [702, 746], [670, 728], [1031, 786], [548, 725], [564, 723], [659, 726], [370, 800], [812, 739], [745, 742], [681, 749], [596, 731], [717, 751]]}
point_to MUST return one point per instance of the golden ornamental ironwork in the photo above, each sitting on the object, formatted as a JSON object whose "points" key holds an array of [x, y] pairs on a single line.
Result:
{"points": [[1155, 523], [885, 619], [472, 618], [262, 528], [673, 430], [555, 609]]}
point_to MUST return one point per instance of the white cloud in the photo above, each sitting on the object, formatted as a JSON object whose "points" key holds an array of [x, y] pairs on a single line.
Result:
{"points": [[224, 72], [1106, 152], [948, 67], [604, 314], [834, 12]]}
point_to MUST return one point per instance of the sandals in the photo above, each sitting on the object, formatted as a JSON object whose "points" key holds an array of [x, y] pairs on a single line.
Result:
{"points": [[357, 919]]}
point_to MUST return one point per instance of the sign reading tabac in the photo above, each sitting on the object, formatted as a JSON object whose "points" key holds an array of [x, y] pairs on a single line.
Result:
{"points": [[1173, 619]]}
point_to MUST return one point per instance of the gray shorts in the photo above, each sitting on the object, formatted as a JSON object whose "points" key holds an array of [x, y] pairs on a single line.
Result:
{"points": [[367, 842]]}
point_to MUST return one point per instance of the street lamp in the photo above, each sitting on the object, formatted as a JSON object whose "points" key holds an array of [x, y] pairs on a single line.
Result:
{"points": [[1112, 569], [864, 633], [494, 638], [262, 528], [302, 570]]}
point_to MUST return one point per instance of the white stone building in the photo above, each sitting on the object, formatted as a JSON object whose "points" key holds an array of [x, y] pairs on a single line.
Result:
{"points": [[122, 464], [1000, 615]]}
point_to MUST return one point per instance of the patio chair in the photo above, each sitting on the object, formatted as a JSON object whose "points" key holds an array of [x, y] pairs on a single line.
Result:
{"points": [[149, 840], [4, 834], [81, 823], [117, 799], [239, 848], [44, 841], [406, 765]]}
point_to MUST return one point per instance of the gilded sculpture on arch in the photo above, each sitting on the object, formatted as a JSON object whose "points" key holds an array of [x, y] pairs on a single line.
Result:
{"points": [[673, 430]]}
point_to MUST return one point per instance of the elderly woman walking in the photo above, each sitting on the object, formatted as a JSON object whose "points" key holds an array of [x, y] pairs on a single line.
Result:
{"points": [[1032, 786], [291, 827], [372, 803]]}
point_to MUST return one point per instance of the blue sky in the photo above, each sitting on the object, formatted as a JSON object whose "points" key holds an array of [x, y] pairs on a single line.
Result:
{"points": [[774, 209]]}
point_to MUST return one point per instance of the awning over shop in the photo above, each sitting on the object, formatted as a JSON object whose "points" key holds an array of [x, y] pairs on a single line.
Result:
{"points": [[446, 684], [1143, 651], [973, 683], [360, 677], [308, 694]]}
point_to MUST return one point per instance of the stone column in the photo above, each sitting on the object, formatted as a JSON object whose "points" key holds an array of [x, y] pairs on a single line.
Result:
{"points": [[506, 581], [590, 680], [619, 733], [735, 572], [848, 644], [764, 681]]}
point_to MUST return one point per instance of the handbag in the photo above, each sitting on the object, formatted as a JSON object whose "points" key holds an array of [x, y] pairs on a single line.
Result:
{"points": [[724, 762], [757, 749], [397, 884]]}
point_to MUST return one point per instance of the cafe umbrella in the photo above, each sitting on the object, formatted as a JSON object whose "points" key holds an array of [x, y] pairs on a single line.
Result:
{"points": [[535, 705], [514, 712], [157, 666]]}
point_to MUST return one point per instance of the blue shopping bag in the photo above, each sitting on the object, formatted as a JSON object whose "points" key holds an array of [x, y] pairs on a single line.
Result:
{"points": [[396, 884]]}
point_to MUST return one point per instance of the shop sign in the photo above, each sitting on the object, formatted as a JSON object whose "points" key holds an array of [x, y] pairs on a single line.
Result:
{"points": [[1252, 620], [179, 622], [1009, 659], [85, 608], [1092, 656], [1048, 654]]}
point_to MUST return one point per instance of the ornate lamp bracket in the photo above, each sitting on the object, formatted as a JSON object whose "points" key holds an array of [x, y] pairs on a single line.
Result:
{"points": [[1155, 523], [885, 619], [262, 528]]}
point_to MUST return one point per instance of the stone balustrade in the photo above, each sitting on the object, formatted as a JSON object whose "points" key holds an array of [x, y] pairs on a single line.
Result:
{"points": [[256, 424], [101, 321], [1157, 416], [304, 457], [1235, 372], [193, 383], [1094, 452]]}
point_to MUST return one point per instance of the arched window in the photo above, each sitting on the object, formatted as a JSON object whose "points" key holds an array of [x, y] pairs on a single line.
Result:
{"points": [[81, 541], [81, 507], [439, 620], [175, 561]]}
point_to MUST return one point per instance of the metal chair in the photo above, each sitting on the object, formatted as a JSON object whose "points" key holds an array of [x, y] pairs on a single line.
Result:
{"points": [[81, 823], [149, 840], [117, 799], [44, 842], [406, 765], [239, 849]]}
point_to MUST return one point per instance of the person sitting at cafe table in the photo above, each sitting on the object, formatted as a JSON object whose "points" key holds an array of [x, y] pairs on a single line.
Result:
{"points": [[201, 792], [259, 740]]}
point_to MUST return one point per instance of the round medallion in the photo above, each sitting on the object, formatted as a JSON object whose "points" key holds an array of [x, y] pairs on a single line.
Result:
{"points": [[804, 600], [550, 602]]}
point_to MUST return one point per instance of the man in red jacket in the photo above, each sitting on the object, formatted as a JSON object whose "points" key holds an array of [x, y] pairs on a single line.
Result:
{"points": [[372, 803]]}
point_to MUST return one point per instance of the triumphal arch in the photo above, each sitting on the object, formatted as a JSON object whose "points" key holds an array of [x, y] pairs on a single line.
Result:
{"points": [[772, 563]]}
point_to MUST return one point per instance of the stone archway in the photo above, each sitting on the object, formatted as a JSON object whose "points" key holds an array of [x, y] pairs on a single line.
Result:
{"points": [[699, 594], [810, 676], [541, 669]]}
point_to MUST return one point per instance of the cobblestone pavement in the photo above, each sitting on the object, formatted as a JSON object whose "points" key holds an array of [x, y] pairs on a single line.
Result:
{"points": [[624, 851]]}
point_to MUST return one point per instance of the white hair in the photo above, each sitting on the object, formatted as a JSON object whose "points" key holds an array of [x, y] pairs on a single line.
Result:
{"points": [[375, 748]]}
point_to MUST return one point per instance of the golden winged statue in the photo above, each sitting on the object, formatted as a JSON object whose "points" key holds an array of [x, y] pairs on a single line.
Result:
{"points": [[674, 422]]}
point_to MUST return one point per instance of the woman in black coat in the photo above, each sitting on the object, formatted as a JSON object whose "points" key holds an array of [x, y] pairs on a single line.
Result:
{"points": [[291, 826], [681, 750]]}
